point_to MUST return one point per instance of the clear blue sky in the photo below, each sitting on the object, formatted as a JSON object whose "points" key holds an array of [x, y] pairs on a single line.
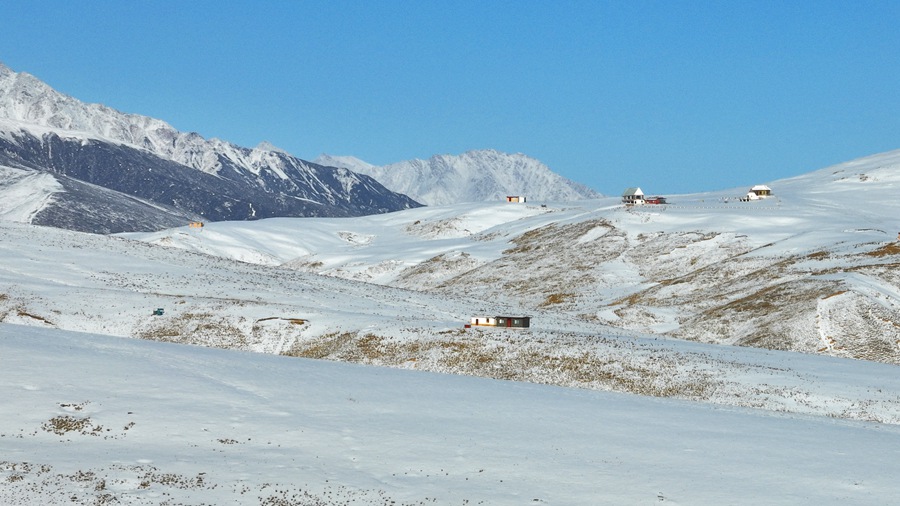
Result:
{"points": [[673, 96]]}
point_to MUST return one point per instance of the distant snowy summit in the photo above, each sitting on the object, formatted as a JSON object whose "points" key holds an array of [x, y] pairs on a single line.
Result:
{"points": [[111, 171], [474, 176]]}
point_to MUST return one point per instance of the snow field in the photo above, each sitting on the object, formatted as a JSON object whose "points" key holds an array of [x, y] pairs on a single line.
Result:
{"points": [[175, 424]]}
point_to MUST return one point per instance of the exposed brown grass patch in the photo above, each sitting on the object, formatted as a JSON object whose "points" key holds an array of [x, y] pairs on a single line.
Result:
{"points": [[557, 298], [294, 321], [63, 424], [891, 248], [26, 314], [628, 300], [200, 328], [511, 359]]}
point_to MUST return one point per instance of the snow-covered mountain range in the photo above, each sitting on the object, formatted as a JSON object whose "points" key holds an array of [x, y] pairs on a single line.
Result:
{"points": [[113, 171], [474, 176]]}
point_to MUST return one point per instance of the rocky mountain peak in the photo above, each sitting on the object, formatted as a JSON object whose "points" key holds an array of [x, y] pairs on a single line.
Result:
{"points": [[180, 175]]}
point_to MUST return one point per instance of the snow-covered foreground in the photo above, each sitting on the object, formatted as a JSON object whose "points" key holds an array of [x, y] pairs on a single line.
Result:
{"points": [[90, 419]]}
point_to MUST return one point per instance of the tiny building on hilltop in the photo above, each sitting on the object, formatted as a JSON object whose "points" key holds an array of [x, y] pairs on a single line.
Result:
{"points": [[500, 321], [633, 196], [759, 191], [515, 198], [762, 191]]}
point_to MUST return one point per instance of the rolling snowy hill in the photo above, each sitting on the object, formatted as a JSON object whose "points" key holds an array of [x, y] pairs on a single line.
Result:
{"points": [[602, 282], [811, 269]]}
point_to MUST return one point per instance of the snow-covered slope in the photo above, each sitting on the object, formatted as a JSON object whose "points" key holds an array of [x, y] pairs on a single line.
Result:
{"points": [[474, 176], [91, 419], [100, 284], [811, 269], [183, 176], [25, 193]]}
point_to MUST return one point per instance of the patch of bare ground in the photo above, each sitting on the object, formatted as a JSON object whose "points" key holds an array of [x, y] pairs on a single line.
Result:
{"points": [[436, 270], [860, 325], [550, 259], [517, 358], [780, 317], [698, 295], [27, 483], [18, 310], [63, 424], [864, 325], [199, 328], [557, 298], [25, 314], [304, 264], [663, 255], [891, 248], [438, 228]]}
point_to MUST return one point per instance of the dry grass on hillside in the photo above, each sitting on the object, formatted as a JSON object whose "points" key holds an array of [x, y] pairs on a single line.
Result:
{"points": [[891, 248], [517, 358], [218, 329], [553, 259]]}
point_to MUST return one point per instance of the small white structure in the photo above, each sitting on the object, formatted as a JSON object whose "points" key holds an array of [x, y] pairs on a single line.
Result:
{"points": [[515, 198], [759, 191], [633, 196], [762, 191]]}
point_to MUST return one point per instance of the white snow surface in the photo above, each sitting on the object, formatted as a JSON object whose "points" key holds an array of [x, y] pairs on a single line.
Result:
{"points": [[363, 247], [91, 419], [25, 193]]}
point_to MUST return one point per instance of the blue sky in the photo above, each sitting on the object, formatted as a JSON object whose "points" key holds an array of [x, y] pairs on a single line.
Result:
{"points": [[673, 96]]}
